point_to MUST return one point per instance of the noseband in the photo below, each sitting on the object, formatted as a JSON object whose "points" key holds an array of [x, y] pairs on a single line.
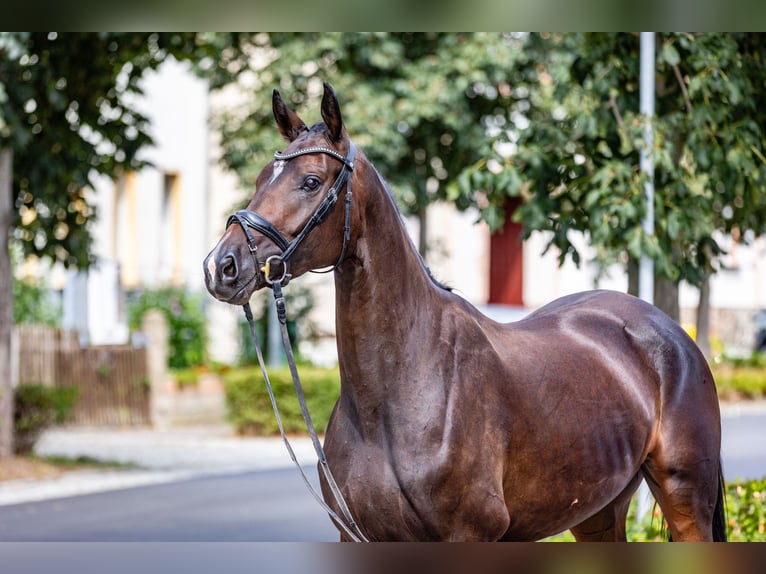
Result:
{"points": [[251, 220]]}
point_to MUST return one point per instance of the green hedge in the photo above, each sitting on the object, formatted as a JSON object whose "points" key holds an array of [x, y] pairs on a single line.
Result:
{"points": [[745, 515], [746, 510], [249, 408], [740, 382], [36, 407]]}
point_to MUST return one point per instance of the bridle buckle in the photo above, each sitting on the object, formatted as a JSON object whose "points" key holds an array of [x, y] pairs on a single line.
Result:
{"points": [[266, 270]]}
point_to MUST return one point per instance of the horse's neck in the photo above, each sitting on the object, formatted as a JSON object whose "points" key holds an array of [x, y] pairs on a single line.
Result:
{"points": [[382, 297]]}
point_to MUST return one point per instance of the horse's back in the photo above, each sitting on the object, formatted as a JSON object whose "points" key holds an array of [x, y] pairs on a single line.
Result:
{"points": [[594, 313], [625, 332]]}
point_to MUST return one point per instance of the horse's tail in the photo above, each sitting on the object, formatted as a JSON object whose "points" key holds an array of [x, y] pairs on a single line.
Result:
{"points": [[719, 513]]}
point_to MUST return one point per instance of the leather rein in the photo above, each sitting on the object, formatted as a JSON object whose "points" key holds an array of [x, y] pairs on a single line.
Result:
{"points": [[250, 220]]}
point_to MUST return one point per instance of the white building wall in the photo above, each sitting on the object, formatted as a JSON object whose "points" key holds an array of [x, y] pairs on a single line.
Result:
{"points": [[545, 281], [458, 250], [176, 103], [223, 196]]}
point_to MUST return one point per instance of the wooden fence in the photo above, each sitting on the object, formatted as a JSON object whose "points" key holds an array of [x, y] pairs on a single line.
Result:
{"points": [[112, 380], [38, 345]]}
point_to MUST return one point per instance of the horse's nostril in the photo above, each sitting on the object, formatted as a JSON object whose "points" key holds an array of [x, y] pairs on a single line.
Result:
{"points": [[229, 267]]}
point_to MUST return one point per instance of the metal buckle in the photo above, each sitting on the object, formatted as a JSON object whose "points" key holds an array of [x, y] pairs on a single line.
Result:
{"points": [[266, 269]]}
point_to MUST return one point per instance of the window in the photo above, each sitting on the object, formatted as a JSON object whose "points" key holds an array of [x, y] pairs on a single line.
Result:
{"points": [[170, 231]]}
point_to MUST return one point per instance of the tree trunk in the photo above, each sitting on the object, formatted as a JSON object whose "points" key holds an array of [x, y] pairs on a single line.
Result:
{"points": [[666, 297], [665, 292], [703, 318], [6, 306]]}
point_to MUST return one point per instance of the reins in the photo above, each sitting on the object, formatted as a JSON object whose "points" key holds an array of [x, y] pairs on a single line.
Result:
{"points": [[249, 219], [349, 526]]}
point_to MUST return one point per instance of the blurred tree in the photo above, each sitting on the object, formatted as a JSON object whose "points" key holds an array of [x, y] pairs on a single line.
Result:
{"points": [[572, 149], [420, 105], [65, 116]]}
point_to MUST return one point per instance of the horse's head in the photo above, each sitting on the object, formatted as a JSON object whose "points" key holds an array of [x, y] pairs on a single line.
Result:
{"points": [[291, 225]]}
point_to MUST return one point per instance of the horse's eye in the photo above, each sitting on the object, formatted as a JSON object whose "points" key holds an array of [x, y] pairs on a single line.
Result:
{"points": [[311, 183]]}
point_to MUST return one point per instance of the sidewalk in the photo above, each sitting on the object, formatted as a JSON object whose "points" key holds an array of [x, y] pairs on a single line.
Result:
{"points": [[160, 456], [167, 455]]}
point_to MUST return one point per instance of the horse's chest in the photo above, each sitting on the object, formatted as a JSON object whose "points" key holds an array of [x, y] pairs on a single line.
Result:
{"points": [[414, 496], [382, 496]]}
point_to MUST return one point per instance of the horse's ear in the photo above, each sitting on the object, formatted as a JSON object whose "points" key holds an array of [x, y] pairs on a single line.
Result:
{"points": [[288, 122], [331, 113]]}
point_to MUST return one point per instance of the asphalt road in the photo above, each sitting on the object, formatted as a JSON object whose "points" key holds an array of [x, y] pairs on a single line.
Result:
{"points": [[743, 444], [271, 505]]}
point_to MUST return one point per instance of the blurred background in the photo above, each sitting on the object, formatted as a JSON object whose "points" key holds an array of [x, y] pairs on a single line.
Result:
{"points": [[514, 158]]}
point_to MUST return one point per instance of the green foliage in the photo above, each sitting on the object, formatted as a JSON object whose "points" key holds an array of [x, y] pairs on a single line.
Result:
{"points": [[32, 303], [66, 113], [746, 511], [84, 462], [755, 360], [36, 407], [419, 104], [745, 514], [249, 408], [186, 322], [32, 300], [551, 118], [738, 380], [572, 147]]}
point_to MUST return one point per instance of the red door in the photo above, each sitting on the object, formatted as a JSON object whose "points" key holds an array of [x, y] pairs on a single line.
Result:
{"points": [[506, 261]]}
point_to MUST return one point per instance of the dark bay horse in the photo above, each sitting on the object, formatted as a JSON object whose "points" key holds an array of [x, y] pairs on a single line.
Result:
{"points": [[450, 426]]}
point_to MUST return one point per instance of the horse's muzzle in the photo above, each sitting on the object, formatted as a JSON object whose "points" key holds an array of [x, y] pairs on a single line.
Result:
{"points": [[229, 276]]}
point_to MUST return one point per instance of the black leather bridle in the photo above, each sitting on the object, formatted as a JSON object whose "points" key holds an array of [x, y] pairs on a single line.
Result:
{"points": [[251, 220]]}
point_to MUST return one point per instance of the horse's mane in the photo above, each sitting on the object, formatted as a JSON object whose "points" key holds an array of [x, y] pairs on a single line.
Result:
{"points": [[321, 127]]}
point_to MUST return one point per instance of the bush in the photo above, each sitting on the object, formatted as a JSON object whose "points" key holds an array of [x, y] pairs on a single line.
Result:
{"points": [[249, 408], [186, 322], [735, 382], [33, 301], [34, 304], [746, 511], [36, 407], [745, 516]]}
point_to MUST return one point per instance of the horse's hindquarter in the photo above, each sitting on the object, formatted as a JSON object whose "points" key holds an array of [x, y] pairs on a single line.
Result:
{"points": [[591, 375]]}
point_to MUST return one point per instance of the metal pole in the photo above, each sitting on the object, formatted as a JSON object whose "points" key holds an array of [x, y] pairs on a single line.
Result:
{"points": [[6, 305], [646, 265]]}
